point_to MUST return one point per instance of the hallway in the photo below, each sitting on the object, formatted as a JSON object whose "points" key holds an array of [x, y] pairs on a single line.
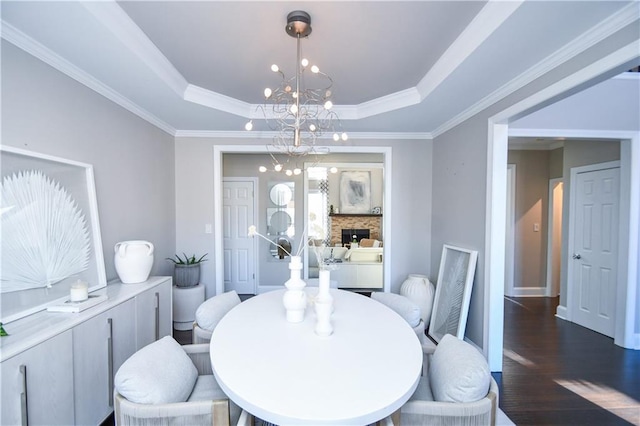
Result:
{"points": [[558, 373]]}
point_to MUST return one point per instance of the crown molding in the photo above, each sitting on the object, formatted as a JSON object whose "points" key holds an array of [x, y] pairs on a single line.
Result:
{"points": [[490, 18], [237, 134], [208, 98], [573, 133], [116, 20], [383, 104], [36, 49], [516, 145], [604, 29]]}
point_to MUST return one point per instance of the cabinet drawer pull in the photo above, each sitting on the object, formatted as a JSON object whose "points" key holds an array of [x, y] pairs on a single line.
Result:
{"points": [[110, 360], [157, 316], [24, 400]]}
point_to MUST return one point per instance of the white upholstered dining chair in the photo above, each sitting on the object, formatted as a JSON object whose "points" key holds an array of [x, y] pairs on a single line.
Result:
{"points": [[457, 390], [165, 383], [209, 314]]}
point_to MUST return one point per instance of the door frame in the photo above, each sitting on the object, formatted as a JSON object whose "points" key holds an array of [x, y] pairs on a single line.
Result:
{"points": [[550, 231], [387, 225], [573, 197], [497, 146], [256, 270], [510, 246]]}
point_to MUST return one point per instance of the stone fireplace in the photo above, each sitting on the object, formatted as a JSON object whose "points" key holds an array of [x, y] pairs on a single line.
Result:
{"points": [[355, 221]]}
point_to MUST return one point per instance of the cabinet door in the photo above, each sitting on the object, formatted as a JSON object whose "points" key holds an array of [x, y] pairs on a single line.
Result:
{"points": [[100, 345], [370, 276], [153, 314], [37, 385], [91, 345], [345, 275]]}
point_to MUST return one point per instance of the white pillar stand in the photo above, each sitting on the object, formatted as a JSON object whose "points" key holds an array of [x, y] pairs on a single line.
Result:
{"points": [[185, 303]]}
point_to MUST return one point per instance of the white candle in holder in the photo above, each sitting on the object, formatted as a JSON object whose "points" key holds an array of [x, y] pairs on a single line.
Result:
{"points": [[79, 291]]}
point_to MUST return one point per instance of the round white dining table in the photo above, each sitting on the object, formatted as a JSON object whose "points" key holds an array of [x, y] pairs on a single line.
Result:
{"points": [[284, 373]]}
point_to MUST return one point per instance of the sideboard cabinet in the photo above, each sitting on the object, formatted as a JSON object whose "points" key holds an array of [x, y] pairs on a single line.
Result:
{"points": [[58, 368]]}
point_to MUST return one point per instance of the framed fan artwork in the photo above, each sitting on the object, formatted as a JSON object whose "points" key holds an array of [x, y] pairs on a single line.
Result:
{"points": [[453, 292], [49, 231]]}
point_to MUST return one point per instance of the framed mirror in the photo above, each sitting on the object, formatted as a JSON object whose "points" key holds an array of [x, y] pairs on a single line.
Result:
{"points": [[280, 218], [453, 292]]}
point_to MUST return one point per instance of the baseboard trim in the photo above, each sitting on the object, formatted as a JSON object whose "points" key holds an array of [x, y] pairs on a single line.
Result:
{"points": [[529, 292], [561, 312]]}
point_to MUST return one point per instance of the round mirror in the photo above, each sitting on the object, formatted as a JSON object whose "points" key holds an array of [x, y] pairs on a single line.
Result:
{"points": [[280, 221], [281, 194]]}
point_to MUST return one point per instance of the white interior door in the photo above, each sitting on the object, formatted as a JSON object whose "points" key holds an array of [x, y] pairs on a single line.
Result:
{"points": [[595, 242], [239, 249]]}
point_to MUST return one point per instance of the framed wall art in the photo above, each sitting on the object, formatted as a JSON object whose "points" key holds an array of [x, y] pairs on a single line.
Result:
{"points": [[453, 292], [49, 229], [355, 192]]}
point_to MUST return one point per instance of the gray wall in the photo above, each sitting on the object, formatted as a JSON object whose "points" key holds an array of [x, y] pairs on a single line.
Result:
{"points": [[45, 111], [579, 153], [410, 205]]}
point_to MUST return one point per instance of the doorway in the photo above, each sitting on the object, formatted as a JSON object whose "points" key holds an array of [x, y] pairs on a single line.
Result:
{"points": [[238, 202], [554, 236]]}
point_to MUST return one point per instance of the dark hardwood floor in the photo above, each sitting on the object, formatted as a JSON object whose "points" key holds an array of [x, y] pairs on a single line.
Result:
{"points": [[559, 373]]}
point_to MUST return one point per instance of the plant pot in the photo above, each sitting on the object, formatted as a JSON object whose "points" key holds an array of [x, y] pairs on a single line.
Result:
{"points": [[186, 275]]}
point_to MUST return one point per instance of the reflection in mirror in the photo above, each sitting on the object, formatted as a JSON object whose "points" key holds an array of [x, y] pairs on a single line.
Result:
{"points": [[281, 194], [283, 245], [326, 224], [280, 214]]}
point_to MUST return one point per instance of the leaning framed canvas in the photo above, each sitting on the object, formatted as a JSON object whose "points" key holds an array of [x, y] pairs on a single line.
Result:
{"points": [[49, 229], [453, 292], [355, 192]]}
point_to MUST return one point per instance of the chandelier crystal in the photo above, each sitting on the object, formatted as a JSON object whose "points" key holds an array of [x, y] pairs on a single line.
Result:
{"points": [[299, 111]]}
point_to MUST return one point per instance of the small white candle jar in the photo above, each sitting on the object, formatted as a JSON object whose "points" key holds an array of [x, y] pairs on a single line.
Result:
{"points": [[79, 291]]}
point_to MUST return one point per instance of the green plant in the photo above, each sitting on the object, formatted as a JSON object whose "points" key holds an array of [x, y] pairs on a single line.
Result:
{"points": [[188, 260]]}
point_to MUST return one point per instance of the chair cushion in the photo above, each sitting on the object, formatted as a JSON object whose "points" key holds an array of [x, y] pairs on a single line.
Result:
{"points": [[401, 305], [210, 312], [458, 372], [159, 373], [423, 391], [206, 388]]}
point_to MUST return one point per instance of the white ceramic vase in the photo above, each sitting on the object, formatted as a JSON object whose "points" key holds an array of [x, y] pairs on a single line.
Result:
{"points": [[295, 298], [133, 261], [323, 317], [324, 284], [420, 290]]}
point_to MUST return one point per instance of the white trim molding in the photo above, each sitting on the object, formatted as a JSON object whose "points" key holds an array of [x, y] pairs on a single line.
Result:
{"points": [[529, 292], [561, 312], [219, 150]]}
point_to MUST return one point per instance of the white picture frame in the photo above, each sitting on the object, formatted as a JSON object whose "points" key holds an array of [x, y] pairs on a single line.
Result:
{"points": [[453, 292], [77, 180]]}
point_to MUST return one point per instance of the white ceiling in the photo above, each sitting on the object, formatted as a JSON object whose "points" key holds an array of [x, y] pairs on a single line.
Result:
{"points": [[407, 67]]}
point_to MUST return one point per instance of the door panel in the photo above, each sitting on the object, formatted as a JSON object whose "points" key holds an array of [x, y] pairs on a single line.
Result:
{"points": [[239, 256], [594, 260]]}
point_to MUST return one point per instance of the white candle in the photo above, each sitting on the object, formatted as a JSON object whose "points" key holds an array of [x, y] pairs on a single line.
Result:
{"points": [[79, 291]]}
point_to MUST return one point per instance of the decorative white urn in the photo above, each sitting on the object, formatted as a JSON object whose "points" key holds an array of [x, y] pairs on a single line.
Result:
{"points": [[295, 298], [324, 305], [133, 261], [420, 290]]}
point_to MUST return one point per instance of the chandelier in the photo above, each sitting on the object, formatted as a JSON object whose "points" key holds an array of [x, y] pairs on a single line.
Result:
{"points": [[298, 111]]}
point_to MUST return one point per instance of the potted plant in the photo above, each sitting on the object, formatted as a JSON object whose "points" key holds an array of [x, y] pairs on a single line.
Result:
{"points": [[187, 270]]}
